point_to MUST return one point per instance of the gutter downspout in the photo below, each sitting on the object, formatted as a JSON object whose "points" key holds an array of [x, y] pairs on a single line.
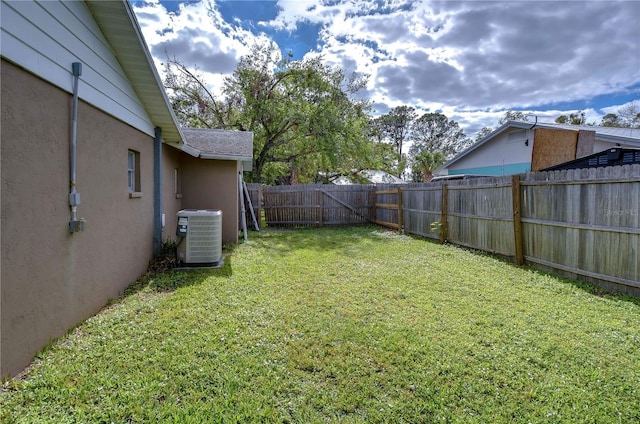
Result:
{"points": [[75, 225], [157, 191]]}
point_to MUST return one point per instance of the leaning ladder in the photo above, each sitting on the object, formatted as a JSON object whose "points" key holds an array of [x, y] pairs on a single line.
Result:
{"points": [[243, 191]]}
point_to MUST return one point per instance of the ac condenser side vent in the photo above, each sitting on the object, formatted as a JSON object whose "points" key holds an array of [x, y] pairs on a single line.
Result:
{"points": [[202, 232]]}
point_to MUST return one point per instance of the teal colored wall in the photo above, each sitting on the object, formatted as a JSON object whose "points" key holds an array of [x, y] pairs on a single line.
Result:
{"points": [[496, 170]]}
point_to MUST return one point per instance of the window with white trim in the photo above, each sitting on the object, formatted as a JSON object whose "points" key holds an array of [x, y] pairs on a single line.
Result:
{"points": [[133, 172]]}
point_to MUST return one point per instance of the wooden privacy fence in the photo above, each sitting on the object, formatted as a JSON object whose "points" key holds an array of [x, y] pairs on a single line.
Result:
{"points": [[255, 195], [388, 207], [584, 223], [317, 205], [477, 213]]}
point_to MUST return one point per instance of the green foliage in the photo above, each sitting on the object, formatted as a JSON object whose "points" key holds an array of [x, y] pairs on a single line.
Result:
{"points": [[395, 125], [437, 228], [485, 131], [512, 115], [165, 259], [434, 132], [628, 116], [435, 138], [577, 118], [344, 325], [610, 120], [394, 128], [424, 163], [306, 117]]}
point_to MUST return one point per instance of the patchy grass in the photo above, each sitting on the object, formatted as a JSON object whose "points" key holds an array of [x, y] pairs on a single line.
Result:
{"points": [[344, 325]]}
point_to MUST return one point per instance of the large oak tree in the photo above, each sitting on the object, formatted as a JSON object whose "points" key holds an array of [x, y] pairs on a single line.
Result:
{"points": [[306, 116]]}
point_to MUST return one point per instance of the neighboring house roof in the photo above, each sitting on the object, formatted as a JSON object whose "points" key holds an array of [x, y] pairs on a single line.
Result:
{"points": [[219, 144], [611, 157], [373, 176], [627, 136], [120, 27], [377, 176], [610, 134]]}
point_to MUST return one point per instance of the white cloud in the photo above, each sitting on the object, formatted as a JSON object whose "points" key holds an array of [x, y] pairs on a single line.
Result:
{"points": [[197, 36], [470, 59], [498, 54]]}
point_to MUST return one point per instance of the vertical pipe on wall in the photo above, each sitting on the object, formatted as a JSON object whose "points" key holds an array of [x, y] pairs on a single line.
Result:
{"points": [[75, 225], [157, 191]]}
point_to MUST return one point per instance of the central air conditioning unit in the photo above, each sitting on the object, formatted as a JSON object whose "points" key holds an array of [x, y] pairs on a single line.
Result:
{"points": [[201, 230]]}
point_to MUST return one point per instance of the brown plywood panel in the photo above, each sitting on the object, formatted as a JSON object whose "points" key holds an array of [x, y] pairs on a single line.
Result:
{"points": [[552, 147], [586, 143]]}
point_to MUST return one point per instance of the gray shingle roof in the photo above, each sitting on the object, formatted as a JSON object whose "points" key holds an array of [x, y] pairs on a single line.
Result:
{"points": [[220, 144]]}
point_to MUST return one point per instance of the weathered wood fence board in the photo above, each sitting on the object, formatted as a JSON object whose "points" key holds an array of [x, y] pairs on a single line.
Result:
{"points": [[317, 205], [388, 205], [480, 215], [422, 207], [584, 223], [255, 194]]}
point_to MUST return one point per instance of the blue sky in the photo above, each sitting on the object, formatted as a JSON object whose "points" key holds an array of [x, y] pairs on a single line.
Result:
{"points": [[472, 60]]}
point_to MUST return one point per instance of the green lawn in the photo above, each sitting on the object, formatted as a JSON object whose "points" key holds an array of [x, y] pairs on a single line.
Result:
{"points": [[344, 325]]}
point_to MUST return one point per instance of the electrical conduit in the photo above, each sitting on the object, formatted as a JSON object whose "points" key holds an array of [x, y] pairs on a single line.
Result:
{"points": [[75, 225]]}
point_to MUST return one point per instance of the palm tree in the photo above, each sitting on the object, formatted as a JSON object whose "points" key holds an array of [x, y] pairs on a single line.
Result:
{"points": [[425, 163]]}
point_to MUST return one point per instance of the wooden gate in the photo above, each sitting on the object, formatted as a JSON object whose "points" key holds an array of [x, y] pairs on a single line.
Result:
{"points": [[318, 205], [388, 208]]}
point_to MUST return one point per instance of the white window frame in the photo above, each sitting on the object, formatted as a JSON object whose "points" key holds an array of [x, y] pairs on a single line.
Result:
{"points": [[133, 173]]}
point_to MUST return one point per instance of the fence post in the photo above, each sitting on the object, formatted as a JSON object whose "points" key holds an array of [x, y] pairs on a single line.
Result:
{"points": [[443, 214], [400, 212], [517, 223], [259, 201], [321, 206], [373, 198]]}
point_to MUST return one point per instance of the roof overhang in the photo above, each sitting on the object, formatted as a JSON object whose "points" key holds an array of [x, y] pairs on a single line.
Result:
{"points": [[120, 27], [206, 143]]}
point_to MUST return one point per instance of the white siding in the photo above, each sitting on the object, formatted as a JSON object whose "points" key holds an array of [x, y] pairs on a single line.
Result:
{"points": [[499, 152], [47, 37], [601, 145]]}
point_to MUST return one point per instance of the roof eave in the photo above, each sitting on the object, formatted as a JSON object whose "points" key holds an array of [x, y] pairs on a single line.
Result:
{"points": [[619, 139], [225, 157], [137, 63]]}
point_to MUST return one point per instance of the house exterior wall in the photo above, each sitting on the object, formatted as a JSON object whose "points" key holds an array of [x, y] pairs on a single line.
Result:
{"points": [[505, 155], [552, 147], [213, 184], [171, 195], [586, 143], [47, 37], [52, 279], [600, 145]]}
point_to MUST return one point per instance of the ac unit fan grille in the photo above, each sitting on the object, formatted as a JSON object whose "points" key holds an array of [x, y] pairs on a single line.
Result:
{"points": [[203, 239]]}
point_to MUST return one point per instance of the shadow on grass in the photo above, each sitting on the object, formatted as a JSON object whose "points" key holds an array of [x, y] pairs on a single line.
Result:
{"points": [[283, 240], [601, 288], [168, 280], [598, 288]]}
